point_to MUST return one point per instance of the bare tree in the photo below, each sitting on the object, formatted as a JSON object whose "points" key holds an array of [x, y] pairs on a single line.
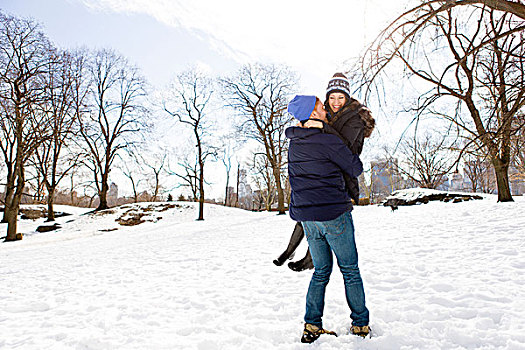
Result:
{"points": [[73, 194], [35, 189], [237, 182], [157, 164], [426, 161], [189, 104], [518, 145], [516, 8], [114, 117], [131, 167], [385, 176], [64, 90], [226, 160], [479, 68], [263, 179], [259, 94], [189, 175], [226, 154], [24, 58], [478, 170]]}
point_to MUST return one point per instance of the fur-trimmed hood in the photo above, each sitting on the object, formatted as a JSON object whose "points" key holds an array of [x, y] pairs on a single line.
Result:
{"points": [[368, 119], [365, 114]]}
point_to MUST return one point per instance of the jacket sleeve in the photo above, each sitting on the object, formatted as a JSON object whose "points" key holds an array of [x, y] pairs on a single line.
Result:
{"points": [[328, 129], [346, 160], [354, 134]]}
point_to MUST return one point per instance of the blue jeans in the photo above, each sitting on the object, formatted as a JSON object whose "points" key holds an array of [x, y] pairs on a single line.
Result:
{"points": [[323, 237]]}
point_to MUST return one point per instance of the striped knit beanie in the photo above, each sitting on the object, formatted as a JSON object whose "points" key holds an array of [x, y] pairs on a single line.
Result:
{"points": [[338, 83]]}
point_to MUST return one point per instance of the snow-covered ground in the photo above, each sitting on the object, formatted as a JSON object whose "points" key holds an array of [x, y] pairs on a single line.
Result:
{"points": [[436, 276]]}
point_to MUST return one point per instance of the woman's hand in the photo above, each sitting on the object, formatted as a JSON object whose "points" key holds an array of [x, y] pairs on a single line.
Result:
{"points": [[313, 124]]}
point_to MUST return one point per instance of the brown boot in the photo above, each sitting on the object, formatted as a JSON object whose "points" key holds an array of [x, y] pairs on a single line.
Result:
{"points": [[312, 332], [362, 331]]}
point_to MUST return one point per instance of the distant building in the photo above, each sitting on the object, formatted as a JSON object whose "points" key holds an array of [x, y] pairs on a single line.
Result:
{"points": [[458, 183], [112, 196], [246, 196], [384, 178], [445, 186], [244, 187], [516, 181], [231, 196]]}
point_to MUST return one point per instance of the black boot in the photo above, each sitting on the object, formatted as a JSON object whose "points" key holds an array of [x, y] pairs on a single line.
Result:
{"points": [[297, 236], [305, 263], [281, 259]]}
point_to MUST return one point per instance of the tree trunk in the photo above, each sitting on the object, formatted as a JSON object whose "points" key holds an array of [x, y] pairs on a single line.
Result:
{"points": [[72, 192], [11, 218], [226, 192], [39, 189], [103, 201], [103, 195], [9, 191], [50, 203], [8, 199], [268, 203], [280, 191], [201, 206], [502, 180], [13, 207], [201, 192], [156, 191], [135, 194], [498, 156], [237, 193], [91, 201]]}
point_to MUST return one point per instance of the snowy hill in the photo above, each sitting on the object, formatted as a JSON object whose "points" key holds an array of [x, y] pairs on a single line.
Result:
{"points": [[436, 276]]}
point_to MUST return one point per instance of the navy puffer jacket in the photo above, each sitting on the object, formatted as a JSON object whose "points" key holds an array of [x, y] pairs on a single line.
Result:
{"points": [[316, 162]]}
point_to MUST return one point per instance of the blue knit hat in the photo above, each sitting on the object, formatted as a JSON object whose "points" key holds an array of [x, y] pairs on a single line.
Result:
{"points": [[302, 106]]}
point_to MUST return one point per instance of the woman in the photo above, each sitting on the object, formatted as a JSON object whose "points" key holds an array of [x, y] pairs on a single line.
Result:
{"points": [[352, 122]]}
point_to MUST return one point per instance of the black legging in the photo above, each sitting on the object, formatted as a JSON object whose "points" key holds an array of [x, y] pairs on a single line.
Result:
{"points": [[295, 240]]}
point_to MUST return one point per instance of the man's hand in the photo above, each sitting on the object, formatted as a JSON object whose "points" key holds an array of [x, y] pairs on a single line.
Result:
{"points": [[313, 124]]}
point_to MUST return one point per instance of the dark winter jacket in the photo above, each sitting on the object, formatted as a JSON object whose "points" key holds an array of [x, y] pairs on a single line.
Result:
{"points": [[352, 124], [316, 163]]}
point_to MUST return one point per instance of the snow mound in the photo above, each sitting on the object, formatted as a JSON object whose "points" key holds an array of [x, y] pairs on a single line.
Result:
{"points": [[414, 196], [85, 222]]}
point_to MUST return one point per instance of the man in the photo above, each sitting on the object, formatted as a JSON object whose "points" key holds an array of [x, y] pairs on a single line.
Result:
{"points": [[316, 163]]}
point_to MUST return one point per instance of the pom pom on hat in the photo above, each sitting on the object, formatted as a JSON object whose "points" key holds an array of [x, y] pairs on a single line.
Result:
{"points": [[338, 83], [302, 106]]}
